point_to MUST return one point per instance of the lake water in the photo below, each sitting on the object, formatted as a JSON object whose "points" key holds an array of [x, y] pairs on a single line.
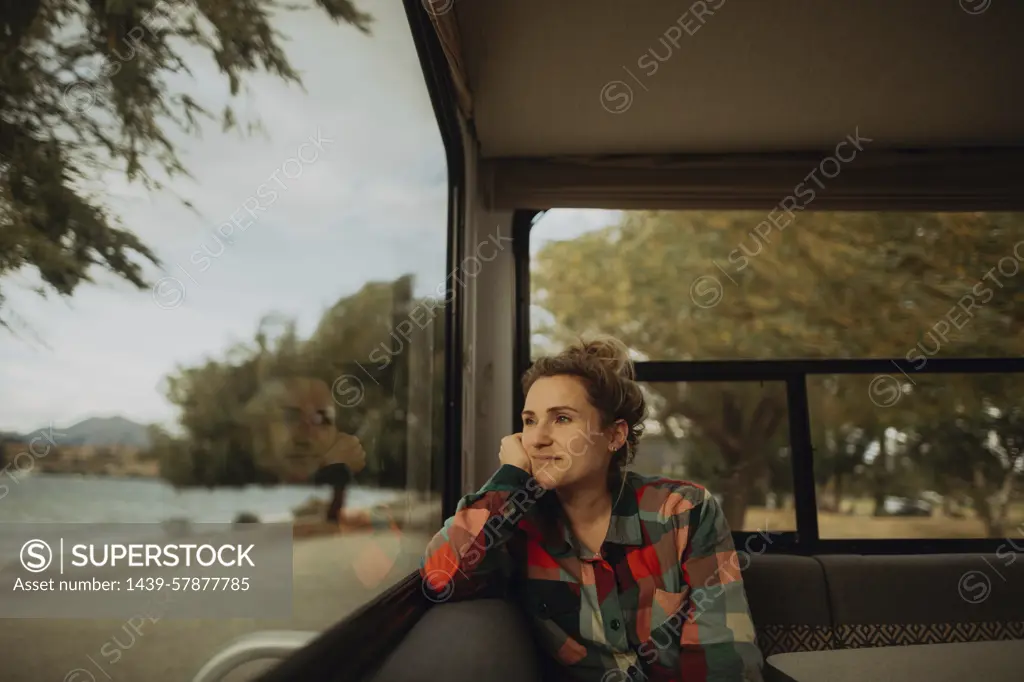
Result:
{"points": [[107, 509], [53, 498]]}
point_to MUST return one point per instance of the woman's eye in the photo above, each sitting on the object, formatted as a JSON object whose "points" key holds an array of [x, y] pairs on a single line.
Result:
{"points": [[562, 416]]}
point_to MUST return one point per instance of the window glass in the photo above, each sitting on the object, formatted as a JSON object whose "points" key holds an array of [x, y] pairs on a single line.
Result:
{"points": [[901, 455], [725, 285], [730, 437], [908, 455], [289, 317]]}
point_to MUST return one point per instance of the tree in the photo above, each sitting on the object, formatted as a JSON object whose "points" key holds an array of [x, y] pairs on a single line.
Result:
{"points": [[727, 285], [83, 93], [978, 453]]}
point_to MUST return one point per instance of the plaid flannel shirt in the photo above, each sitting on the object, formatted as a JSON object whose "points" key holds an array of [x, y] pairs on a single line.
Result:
{"points": [[663, 600]]}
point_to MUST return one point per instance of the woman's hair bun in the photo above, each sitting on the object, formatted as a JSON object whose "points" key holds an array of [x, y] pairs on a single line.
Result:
{"points": [[609, 350]]}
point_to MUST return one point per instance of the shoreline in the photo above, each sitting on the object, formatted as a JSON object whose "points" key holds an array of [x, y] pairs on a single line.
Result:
{"points": [[54, 498], [398, 516]]}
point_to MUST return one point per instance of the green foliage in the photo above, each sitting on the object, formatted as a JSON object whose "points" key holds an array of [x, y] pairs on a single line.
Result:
{"points": [[83, 92], [707, 285]]}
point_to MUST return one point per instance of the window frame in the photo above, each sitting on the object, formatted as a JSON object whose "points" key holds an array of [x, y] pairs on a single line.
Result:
{"points": [[443, 100], [794, 373]]}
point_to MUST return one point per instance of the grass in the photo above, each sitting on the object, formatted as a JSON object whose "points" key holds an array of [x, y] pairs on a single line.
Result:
{"points": [[860, 526], [831, 526]]}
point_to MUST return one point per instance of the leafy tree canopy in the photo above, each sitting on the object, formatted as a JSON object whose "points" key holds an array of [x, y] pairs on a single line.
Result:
{"points": [[84, 91]]}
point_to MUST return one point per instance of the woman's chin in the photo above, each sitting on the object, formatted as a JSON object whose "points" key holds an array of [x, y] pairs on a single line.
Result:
{"points": [[549, 480]]}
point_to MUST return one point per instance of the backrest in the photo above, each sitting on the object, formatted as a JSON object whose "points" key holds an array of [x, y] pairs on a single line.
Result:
{"points": [[798, 603], [480, 639], [789, 603], [920, 599]]}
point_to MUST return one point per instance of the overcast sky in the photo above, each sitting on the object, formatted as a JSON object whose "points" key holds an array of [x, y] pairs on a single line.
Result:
{"points": [[371, 206]]}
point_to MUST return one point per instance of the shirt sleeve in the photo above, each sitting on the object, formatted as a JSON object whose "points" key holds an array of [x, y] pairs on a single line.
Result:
{"points": [[717, 641], [471, 547]]}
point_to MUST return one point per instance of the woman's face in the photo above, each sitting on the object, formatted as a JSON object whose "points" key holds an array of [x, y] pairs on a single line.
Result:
{"points": [[563, 437], [296, 426]]}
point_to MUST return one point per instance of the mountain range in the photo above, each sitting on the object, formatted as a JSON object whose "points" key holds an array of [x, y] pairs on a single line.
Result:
{"points": [[97, 431]]}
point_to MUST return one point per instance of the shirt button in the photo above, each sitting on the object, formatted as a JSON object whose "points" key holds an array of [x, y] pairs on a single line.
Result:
{"points": [[615, 624]]}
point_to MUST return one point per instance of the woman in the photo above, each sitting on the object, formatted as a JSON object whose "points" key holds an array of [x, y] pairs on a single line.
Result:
{"points": [[624, 576]]}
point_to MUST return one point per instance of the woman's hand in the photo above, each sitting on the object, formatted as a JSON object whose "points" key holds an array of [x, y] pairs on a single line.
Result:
{"points": [[347, 450], [512, 452]]}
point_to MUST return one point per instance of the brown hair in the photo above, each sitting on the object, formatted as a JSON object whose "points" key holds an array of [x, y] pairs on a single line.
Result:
{"points": [[604, 365]]}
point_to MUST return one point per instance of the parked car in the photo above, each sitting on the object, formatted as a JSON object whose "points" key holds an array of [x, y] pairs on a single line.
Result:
{"points": [[905, 506]]}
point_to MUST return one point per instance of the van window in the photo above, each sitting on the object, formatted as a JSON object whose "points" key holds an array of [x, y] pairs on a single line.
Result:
{"points": [[738, 285], [291, 314], [902, 453]]}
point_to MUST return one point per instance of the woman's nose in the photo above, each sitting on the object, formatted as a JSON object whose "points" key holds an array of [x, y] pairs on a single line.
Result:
{"points": [[542, 434]]}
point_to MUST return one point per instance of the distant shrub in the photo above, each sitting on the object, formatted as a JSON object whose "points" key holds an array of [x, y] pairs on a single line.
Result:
{"points": [[247, 517]]}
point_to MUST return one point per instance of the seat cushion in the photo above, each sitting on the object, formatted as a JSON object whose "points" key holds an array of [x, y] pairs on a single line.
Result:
{"points": [[788, 602], [468, 641], [923, 599]]}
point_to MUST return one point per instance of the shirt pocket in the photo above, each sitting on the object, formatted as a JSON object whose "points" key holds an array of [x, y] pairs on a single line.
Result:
{"points": [[661, 624]]}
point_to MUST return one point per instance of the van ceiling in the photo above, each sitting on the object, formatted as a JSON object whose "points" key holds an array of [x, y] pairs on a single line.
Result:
{"points": [[738, 75]]}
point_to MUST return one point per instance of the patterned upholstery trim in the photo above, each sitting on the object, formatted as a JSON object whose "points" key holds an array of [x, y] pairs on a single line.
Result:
{"points": [[861, 636], [781, 639]]}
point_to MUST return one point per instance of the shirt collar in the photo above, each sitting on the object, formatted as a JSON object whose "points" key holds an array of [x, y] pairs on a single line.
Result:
{"points": [[624, 528]]}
